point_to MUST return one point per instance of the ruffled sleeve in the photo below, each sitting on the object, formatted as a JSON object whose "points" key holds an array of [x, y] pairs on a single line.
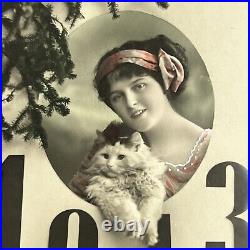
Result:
{"points": [[176, 176]]}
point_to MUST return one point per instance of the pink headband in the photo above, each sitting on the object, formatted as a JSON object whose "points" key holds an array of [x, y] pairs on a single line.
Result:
{"points": [[171, 69]]}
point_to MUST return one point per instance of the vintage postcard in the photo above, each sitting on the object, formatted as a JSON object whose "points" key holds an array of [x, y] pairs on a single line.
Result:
{"points": [[124, 125]]}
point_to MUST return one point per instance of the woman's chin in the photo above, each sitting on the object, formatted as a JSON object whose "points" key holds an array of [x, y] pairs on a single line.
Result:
{"points": [[141, 127]]}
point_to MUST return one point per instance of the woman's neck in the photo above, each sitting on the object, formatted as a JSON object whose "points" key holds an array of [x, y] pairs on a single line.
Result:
{"points": [[173, 138]]}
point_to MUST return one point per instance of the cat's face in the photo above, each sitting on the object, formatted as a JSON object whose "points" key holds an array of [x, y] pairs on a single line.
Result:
{"points": [[114, 160]]}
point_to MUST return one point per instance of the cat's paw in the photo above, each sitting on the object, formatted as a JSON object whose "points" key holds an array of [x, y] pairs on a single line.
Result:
{"points": [[135, 235], [138, 234], [152, 239]]}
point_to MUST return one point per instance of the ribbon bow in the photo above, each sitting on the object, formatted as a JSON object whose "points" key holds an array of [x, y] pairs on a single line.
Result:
{"points": [[171, 70]]}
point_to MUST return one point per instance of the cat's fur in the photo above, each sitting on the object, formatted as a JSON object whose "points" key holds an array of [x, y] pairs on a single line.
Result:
{"points": [[126, 181]]}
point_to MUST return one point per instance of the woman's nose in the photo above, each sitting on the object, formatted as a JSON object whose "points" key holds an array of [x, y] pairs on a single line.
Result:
{"points": [[131, 100]]}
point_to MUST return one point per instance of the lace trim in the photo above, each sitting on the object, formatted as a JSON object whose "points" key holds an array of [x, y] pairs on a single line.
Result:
{"points": [[192, 152]]}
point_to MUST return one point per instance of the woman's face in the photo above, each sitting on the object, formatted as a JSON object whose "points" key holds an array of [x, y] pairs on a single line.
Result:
{"points": [[139, 101]]}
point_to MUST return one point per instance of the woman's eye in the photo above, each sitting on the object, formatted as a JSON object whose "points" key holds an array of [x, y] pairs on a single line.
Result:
{"points": [[115, 98], [120, 157], [106, 156], [140, 86]]}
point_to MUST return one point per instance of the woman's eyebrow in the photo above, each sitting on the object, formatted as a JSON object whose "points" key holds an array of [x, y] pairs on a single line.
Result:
{"points": [[138, 79], [132, 83]]}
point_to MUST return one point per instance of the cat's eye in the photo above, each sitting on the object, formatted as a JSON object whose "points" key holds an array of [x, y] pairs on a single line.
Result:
{"points": [[120, 157], [106, 156]]}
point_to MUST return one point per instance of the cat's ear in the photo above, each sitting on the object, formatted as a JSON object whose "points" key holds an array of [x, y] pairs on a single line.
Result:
{"points": [[135, 140], [100, 137]]}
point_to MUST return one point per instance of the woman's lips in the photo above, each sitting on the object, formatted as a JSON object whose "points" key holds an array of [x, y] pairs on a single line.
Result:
{"points": [[137, 113]]}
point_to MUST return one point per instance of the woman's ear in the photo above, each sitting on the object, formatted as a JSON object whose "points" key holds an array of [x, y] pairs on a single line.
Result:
{"points": [[135, 141]]}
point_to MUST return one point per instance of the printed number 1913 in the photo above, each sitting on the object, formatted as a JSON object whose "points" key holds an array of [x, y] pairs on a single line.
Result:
{"points": [[13, 172]]}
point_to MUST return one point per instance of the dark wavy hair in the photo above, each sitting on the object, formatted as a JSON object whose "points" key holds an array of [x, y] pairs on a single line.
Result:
{"points": [[128, 70]]}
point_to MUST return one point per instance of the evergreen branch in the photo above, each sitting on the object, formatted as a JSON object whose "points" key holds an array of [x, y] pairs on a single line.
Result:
{"points": [[34, 54], [10, 97], [16, 124], [36, 116], [31, 96], [61, 24], [74, 12], [29, 134], [51, 94], [14, 31], [42, 108], [7, 135], [4, 123], [7, 22], [35, 130], [163, 5], [43, 137], [61, 106], [6, 74], [113, 9], [6, 130], [22, 130], [9, 6]]}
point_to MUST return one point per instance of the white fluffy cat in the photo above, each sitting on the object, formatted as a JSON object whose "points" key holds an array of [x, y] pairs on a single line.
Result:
{"points": [[126, 181]]}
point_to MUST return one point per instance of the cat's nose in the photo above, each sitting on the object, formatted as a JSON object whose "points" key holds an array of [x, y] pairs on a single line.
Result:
{"points": [[109, 166]]}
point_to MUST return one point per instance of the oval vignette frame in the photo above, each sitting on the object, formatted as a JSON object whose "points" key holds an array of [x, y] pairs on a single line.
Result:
{"points": [[72, 136]]}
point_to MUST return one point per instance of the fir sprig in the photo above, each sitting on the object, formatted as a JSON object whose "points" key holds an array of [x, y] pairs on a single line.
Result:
{"points": [[163, 5], [113, 9], [74, 12], [42, 57]]}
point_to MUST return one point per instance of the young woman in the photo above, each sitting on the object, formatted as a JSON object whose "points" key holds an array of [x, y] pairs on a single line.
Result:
{"points": [[138, 81]]}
